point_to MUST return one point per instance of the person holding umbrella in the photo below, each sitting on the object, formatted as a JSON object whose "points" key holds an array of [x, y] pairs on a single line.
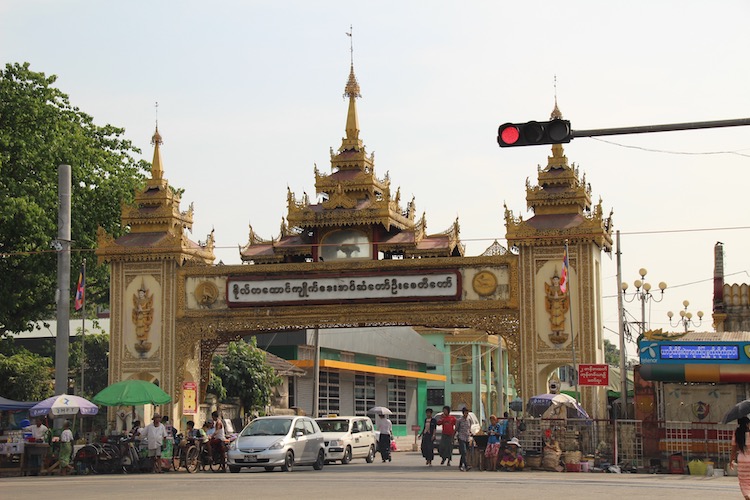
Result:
{"points": [[385, 427], [740, 456]]}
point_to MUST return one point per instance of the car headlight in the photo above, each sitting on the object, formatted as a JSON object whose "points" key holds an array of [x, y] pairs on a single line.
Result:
{"points": [[335, 442], [233, 445], [277, 445]]}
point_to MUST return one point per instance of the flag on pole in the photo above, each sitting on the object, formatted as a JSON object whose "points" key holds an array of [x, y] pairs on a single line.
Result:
{"points": [[564, 273], [80, 289]]}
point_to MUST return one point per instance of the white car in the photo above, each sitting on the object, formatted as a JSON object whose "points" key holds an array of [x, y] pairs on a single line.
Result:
{"points": [[347, 438], [280, 441]]}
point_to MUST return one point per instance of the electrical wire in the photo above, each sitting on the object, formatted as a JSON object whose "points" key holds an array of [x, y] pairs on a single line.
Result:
{"points": [[664, 151]]}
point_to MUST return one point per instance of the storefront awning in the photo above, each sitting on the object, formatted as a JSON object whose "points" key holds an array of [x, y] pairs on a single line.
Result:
{"points": [[357, 367]]}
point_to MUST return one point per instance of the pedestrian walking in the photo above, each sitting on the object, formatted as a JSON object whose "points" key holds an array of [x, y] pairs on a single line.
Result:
{"points": [[428, 437], [740, 456], [463, 431], [448, 424], [385, 427]]}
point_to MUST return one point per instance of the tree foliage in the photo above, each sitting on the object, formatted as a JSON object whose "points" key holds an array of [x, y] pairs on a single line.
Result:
{"points": [[96, 368], [25, 376], [39, 130], [245, 374], [611, 353]]}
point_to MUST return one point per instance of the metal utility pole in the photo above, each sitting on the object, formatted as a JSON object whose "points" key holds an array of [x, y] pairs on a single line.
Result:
{"points": [[62, 245], [621, 331], [316, 372]]}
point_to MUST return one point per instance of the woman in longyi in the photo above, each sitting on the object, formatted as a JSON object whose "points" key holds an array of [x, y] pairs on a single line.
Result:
{"points": [[741, 455]]}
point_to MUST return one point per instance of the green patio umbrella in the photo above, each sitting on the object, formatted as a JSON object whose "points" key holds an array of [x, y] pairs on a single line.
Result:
{"points": [[131, 392]]}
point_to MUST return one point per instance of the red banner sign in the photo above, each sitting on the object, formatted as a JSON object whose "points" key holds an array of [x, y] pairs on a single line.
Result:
{"points": [[593, 375]]}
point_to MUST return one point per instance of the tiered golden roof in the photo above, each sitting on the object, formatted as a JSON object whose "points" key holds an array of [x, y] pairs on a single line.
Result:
{"points": [[156, 224], [351, 196]]}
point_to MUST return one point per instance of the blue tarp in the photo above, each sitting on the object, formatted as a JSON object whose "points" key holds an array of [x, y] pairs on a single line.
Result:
{"points": [[9, 404]]}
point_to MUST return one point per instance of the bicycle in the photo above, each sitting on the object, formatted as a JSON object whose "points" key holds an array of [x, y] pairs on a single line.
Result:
{"points": [[130, 456], [186, 454], [97, 458]]}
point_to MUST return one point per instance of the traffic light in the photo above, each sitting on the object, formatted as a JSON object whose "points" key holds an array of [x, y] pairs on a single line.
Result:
{"points": [[534, 133]]}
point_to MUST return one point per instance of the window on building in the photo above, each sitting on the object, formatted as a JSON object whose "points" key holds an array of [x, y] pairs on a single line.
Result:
{"points": [[364, 393], [461, 364], [292, 392], [436, 397], [329, 399], [397, 400]]}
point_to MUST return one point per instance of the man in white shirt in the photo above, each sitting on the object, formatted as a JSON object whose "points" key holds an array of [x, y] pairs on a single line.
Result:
{"points": [[39, 431], [155, 434], [385, 427]]}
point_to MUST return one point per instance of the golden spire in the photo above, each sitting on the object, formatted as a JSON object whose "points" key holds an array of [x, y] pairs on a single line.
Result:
{"points": [[351, 141], [156, 170], [556, 113]]}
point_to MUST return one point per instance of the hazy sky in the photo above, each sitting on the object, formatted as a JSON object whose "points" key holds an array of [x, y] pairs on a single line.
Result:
{"points": [[250, 98]]}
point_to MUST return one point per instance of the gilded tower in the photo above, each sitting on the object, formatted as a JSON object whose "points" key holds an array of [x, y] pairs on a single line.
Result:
{"points": [[143, 271], [558, 322], [357, 215]]}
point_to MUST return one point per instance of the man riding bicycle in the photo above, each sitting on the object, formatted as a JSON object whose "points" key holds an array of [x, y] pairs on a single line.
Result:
{"points": [[218, 442]]}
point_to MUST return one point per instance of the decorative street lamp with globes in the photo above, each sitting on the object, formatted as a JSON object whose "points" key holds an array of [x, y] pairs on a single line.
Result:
{"points": [[643, 294], [686, 318]]}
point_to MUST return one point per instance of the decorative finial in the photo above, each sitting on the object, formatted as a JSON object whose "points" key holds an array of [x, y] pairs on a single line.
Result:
{"points": [[156, 138], [556, 113], [352, 87], [351, 44]]}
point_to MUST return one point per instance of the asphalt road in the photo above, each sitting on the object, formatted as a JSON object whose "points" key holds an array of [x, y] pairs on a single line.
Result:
{"points": [[405, 477]]}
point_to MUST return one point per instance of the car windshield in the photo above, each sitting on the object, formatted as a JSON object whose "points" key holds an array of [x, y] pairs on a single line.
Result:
{"points": [[331, 425], [268, 427]]}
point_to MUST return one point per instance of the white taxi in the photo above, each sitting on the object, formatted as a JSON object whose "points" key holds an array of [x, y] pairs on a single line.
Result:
{"points": [[346, 438]]}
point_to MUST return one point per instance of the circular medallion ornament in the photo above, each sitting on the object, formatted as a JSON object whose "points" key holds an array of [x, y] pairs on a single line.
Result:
{"points": [[484, 283], [206, 294]]}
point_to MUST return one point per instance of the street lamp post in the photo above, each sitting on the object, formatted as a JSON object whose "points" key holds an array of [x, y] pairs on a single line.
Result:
{"points": [[686, 317], [643, 294]]}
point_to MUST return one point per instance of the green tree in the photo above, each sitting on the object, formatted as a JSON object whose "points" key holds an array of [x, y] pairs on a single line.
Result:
{"points": [[611, 353], [26, 377], [97, 363], [246, 375], [39, 130]]}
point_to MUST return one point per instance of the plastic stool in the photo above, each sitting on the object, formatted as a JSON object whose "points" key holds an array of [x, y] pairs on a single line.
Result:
{"points": [[676, 464]]}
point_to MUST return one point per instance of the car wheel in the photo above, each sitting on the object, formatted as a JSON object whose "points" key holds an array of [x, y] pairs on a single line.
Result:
{"points": [[347, 455], [370, 454], [288, 462], [320, 461], [268, 469], [234, 469]]}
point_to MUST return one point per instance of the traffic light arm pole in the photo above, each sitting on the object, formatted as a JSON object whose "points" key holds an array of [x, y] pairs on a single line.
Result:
{"points": [[659, 128]]}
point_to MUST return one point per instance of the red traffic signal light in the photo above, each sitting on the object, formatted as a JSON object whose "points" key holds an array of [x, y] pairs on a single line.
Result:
{"points": [[534, 133]]}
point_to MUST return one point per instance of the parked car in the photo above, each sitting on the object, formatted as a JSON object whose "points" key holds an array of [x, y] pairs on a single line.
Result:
{"points": [[475, 426], [347, 438], [280, 441]]}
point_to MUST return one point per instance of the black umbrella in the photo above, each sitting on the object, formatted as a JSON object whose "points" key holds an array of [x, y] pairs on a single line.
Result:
{"points": [[739, 410]]}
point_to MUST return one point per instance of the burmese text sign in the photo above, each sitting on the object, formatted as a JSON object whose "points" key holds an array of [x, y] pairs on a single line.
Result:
{"points": [[593, 375]]}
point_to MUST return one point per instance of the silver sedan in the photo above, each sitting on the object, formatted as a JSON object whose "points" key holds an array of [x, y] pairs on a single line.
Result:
{"points": [[280, 441]]}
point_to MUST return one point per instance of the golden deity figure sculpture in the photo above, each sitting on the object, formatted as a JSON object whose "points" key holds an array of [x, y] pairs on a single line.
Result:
{"points": [[143, 316], [557, 304]]}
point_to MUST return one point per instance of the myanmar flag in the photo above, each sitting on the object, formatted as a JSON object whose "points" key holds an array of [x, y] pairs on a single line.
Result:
{"points": [[564, 277], [80, 289]]}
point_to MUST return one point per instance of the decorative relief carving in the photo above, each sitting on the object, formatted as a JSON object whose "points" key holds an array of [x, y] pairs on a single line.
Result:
{"points": [[556, 303]]}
